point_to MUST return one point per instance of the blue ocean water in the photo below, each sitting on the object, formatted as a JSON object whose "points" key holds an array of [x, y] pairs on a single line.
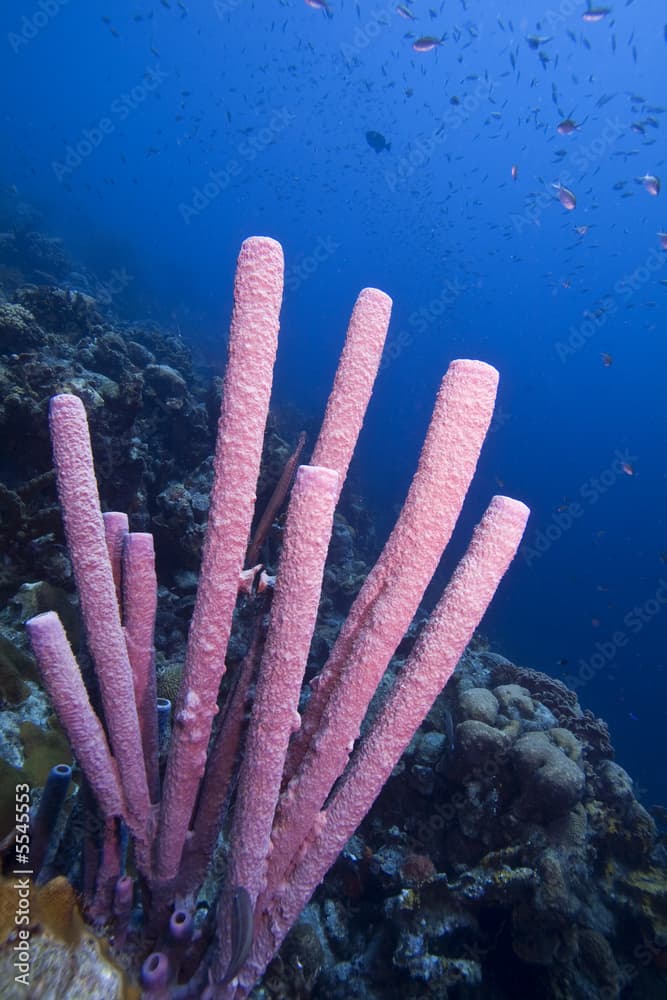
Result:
{"points": [[155, 136]]}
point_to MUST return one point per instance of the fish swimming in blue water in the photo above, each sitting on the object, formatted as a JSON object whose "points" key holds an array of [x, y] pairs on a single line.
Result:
{"points": [[322, 5], [651, 184], [377, 141], [427, 43], [594, 14], [566, 197]]}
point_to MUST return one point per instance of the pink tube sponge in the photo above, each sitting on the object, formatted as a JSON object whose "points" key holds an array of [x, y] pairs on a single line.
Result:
{"points": [[428, 668], [386, 603], [293, 614], [253, 339], [353, 384], [86, 541], [62, 679]]}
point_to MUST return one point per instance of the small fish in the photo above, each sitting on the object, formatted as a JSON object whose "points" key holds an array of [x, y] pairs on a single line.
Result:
{"points": [[607, 360], [322, 5], [405, 12], [663, 240], [534, 41], [566, 197], [241, 933], [651, 184], [567, 127], [514, 171], [628, 468], [594, 14], [581, 230], [377, 141], [427, 43]]}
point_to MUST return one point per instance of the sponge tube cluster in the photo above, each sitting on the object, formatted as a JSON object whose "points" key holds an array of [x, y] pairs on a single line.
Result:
{"points": [[292, 814]]}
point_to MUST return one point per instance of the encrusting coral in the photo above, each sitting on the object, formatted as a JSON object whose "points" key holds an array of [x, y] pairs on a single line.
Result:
{"points": [[63, 958]]}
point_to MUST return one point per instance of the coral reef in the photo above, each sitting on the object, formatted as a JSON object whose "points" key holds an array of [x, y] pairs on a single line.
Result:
{"points": [[63, 957], [507, 855], [514, 860]]}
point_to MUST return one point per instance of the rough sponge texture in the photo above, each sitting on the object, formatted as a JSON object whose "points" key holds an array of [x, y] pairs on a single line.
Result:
{"points": [[63, 681], [388, 600], [86, 541], [354, 380], [427, 669], [253, 340], [293, 615]]}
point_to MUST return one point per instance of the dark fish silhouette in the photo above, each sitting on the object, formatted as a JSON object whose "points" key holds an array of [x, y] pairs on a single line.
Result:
{"points": [[377, 141], [567, 127], [594, 14], [427, 43]]}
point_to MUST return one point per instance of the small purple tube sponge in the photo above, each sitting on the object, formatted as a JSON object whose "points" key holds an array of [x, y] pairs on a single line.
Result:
{"points": [[50, 804], [155, 976], [181, 926]]}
